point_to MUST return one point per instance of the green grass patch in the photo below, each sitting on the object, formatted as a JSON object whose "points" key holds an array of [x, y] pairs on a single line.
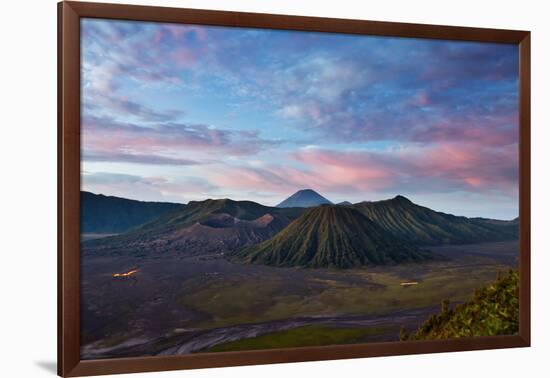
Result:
{"points": [[250, 299], [306, 336]]}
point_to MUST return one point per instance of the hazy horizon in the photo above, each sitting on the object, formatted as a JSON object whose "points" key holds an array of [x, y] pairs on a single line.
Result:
{"points": [[177, 113]]}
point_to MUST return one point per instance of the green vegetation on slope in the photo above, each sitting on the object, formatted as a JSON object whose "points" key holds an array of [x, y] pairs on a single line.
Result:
{"points": [[197, 211], [494, 310], [332, 236], [305, 336], [367, 233], [423, 226]]}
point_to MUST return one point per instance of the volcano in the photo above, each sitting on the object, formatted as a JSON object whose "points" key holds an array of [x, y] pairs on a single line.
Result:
{"points": [[332, 236], [305, 198]]}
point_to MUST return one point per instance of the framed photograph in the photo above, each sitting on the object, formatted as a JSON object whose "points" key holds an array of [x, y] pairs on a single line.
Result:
{"points": [[239, 188]]}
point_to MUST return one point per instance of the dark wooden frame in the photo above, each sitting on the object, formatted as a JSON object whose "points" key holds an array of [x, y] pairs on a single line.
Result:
{"points": [[69, 14]]}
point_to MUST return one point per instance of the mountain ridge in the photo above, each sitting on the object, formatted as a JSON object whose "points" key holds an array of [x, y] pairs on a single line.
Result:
{"points": [[110, 214], [345, 203], [212, 225], [424, 226], [225, 225]]}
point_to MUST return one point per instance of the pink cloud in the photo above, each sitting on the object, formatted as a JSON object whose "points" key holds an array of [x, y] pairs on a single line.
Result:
{"points": [[421, 99], [437, 168], [105, 139], [474, 181], [359, 170], [150, 56], [180, 31], [474, 165], [323, 172], [184, 57]]}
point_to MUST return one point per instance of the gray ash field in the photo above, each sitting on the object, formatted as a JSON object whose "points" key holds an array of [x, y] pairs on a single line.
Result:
{"points": [[178, 305]]}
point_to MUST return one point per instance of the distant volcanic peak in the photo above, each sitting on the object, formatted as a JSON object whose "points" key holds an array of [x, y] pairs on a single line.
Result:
{"points": [[304, 198], [307, 191], [345, 203]]}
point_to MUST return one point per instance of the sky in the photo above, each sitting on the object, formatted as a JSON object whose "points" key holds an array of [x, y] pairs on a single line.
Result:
{"points": [[178, 113]]}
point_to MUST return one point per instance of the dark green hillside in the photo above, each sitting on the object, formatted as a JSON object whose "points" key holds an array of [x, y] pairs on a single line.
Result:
{"points": [[107, 214], [510, 227], [202, 227], [331, 236], [494, 310], [423, 226]]}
